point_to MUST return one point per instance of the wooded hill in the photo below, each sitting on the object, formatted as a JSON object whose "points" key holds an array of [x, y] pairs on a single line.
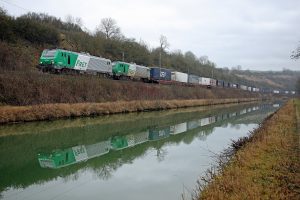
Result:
{"points": [[23, 38]]}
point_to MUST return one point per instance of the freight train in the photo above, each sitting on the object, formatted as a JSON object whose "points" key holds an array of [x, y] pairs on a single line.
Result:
{"points": [[69, 62]]}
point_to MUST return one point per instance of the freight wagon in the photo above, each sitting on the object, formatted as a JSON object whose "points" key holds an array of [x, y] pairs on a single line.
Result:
{"points": [[140, 138], [193, 79], [213, 82], [178, 128], [204, 81], [159, 133], [58, 60], [244, 87], [192, 124], [179, 77], [220, 83], [158, 74]]}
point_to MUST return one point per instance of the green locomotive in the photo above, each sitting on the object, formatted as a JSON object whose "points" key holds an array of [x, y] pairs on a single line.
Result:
{"points": [[130, 71], [59, 60]]}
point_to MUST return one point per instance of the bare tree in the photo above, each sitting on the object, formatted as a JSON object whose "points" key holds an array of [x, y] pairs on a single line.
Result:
{"points": [[109, 27], [70, 19], [203, 60], [164, 44]]}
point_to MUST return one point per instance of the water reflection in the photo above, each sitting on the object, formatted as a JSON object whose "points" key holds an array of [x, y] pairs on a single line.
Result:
{"points": [[65, 157], [37, 155]]}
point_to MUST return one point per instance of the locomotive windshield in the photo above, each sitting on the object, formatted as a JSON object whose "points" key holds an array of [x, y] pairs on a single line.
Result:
{"points": [[50, 53]]}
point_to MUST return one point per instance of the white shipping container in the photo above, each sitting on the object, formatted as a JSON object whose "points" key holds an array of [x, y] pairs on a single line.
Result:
{"points": [[232, 114], [244, 111], [179, 77], [244, 87], [204, 81], [249, 89], [142, 71], [141, 137], [204, 121], [178, 128], [213, 82], [130, 140], [192, 124], [98, 149], [212, 120]]}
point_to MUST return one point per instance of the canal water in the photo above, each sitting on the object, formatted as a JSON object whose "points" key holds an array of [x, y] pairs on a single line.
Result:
{"points": [[155, 155]]}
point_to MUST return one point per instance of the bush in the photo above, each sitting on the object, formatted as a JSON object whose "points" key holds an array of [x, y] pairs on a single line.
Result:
{"points": [[36, 32]]}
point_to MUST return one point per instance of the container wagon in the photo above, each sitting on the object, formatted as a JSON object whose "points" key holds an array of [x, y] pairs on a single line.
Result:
{"points": [[179, 77], [140, 138], [193, 79], [213, 82], [204, 81], [244, 87], [160, 74], [220, 83], [59, 60], [192, 124], [159, 133], [178, 128]]}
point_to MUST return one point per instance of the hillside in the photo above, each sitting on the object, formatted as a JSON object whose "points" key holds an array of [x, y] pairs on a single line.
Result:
{"points": [[285, 80], [23, 38]]}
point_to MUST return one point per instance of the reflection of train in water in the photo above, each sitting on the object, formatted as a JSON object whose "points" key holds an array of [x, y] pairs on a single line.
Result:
{"points": [[68, 156]]}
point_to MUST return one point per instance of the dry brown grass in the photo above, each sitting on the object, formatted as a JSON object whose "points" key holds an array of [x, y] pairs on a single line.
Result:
{"points": [[53, 111], [26, 88], [267, 167]]}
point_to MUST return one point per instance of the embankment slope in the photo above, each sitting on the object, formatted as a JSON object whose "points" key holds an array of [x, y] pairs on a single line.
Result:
{"points": [[267, 166]]}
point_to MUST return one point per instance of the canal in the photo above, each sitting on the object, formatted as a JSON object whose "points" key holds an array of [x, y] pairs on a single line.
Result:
{"points": [[155, 155]]}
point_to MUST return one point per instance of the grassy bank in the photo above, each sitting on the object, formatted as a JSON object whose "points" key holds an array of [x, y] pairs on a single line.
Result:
{"points": [[52, 111], [266, 166]]}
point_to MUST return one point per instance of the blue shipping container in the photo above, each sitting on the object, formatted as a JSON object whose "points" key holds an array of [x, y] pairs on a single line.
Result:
{"points": [[157, 73], [159, 133], [220, 83]]}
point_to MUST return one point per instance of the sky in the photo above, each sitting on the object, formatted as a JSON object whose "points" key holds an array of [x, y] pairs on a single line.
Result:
{"points": [[255, 34]]}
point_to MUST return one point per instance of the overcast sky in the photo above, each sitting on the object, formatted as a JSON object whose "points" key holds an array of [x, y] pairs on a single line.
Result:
{"points": [[256, 34]]}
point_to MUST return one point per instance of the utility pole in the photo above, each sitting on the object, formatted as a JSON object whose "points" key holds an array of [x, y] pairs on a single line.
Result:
{"points": [[160, 62], [160, 57], [123, 56]]}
